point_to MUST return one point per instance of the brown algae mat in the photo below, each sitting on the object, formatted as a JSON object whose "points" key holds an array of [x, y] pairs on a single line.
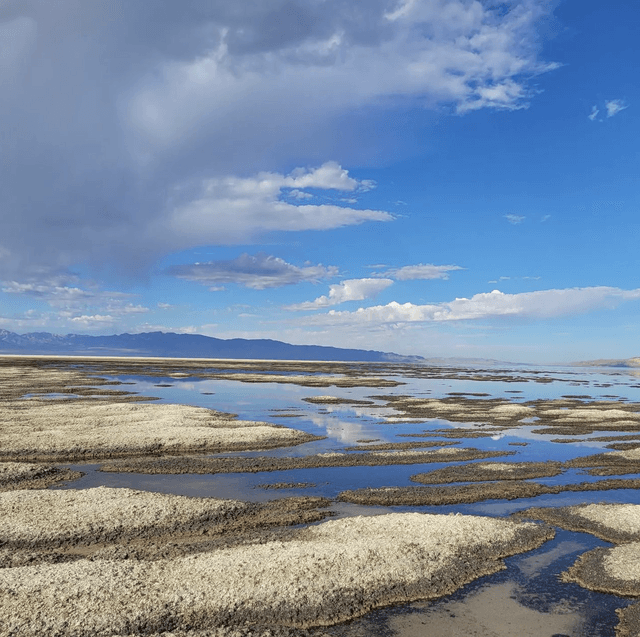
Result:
{"points": [[610, 463], [487, 471], [470, 493], [255, 464], [49, 430], [326, 574], [24, 475]]}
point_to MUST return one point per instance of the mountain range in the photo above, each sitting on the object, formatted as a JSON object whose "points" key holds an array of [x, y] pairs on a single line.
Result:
{"points": [[171, 345]]}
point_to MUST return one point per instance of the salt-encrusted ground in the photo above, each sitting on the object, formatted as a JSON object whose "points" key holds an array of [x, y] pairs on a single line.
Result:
{"points": [[318, 576]]}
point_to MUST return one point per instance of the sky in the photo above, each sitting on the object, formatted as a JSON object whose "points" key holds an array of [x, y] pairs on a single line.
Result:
{"points": [[443, 178]]}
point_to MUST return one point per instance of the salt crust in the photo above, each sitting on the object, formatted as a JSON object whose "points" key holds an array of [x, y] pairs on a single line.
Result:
{"points": [[629, 454], [592, 414], [364, 561], [57, 517], [502, 466], [10, 471], [78, 428], [623, 562], [619, 517]]}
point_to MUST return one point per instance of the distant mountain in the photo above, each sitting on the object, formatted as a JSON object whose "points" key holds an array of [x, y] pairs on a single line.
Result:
{"points": [[610, 362], [171, 345]]}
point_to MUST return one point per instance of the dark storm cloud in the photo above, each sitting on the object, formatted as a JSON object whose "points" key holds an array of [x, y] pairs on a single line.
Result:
{"points": [[108, 109]]}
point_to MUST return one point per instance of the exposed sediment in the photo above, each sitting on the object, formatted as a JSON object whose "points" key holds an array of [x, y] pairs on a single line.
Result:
{"points": [[48, 430], [610, 463], [487, 471], [565, 416], [629, 621], [182, 464], [107, 523], [470, 493], [329, 573], [25, 475], [617, 523], [336, 400], [391, 446]]}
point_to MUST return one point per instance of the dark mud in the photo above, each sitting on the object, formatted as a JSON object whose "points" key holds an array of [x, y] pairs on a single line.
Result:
{"points": [[471, 493], [487, 471], [178, 465]]}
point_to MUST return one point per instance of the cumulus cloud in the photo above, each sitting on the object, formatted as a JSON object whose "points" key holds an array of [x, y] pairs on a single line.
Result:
{"points": [[543, 304], [514, 219], [614, 107], [348, 290], [228, 210], [259, 272], [107, 139], [420, 271]]}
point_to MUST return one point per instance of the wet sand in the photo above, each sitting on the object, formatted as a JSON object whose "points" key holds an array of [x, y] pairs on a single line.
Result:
{"points": [[494, 611]]}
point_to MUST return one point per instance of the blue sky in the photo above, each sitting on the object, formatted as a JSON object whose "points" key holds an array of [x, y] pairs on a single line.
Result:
{"points": [[436, 177]]}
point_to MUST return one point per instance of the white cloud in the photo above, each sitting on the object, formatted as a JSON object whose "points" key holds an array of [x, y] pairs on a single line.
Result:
{"points": [[420, 271], [230, 210], [349, 290], [259, 272], [299, 194], [614, 107], [150, 327], [95, 321], [514, 219], [73, 301], [542, 304], [468, 54], [594, 113], [111, 127]]}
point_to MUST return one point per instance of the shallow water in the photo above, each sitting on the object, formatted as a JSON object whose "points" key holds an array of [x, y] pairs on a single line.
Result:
{"points": [[528, 593]]}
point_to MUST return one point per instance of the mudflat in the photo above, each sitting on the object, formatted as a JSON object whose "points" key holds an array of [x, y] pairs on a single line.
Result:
{"points": [[49, 430], [105, 561], [318, 576]]}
